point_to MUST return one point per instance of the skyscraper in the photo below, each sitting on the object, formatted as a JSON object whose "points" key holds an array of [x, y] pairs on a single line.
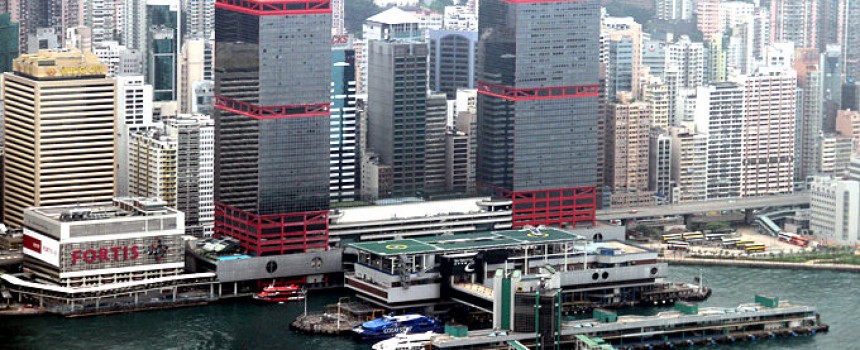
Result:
{"points": [[768, 141], [397, 106], [344, 126], [795, 21], [538, 107], [164, 40], [59, 112], [452, 60], [810, 78], [720, 116], [272, 129], [628, 136]]}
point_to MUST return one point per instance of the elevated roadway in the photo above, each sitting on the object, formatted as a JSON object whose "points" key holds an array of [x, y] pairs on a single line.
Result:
{"points": [[788, 200]]}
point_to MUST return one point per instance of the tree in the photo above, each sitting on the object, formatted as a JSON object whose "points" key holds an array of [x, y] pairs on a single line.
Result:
{"points": [[717, 225], [439, 5], [356, 12]]}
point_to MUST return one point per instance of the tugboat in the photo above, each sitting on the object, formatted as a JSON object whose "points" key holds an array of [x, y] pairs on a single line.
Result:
{"points": [[406, 342], [279, 294], [389, 326]]}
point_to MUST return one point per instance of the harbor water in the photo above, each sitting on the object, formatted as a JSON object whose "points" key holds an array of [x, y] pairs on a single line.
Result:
{"points": [[252, 325]]}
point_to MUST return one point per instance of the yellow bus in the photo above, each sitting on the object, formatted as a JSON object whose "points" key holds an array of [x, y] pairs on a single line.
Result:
{"points": [[754, 248]]}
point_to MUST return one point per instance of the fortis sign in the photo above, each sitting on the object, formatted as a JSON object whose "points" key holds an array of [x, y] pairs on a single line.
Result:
{"points": [[156, 250]]}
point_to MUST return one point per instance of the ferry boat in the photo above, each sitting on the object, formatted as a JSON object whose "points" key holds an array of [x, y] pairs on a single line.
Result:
{"points": [[406, 342], [280, 294], [389, 326]]}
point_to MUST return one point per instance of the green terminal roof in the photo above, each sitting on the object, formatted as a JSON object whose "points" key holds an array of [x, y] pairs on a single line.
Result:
{"points": [[469, 241]]}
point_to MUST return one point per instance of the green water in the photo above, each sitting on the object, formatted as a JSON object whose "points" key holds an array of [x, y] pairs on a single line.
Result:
{"points": [[251, 325]]}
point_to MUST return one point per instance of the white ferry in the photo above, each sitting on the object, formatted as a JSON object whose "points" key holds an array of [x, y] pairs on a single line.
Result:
{"points": [[406, 342]]}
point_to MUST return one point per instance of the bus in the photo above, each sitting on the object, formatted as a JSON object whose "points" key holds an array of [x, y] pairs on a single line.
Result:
{"points": [[729, 242], [672, 237], [678, 245], [754, 248], [693, 236], [744, 243]]}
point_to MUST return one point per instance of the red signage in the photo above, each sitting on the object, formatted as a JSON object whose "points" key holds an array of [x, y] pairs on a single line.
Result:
{"points": [[32, 243], [92, 256]]}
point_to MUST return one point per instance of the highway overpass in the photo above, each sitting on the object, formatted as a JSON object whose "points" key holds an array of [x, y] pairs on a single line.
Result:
{"points": [[788, 200]]}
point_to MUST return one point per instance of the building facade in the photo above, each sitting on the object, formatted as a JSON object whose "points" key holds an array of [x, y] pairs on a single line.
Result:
{"points": [[720, 115], [344, 151], [59, 113], [452, 60], [834, 210], [768, 141], [538, 108], [272, 125], [125, 240], [397, 107], [628, 136]]}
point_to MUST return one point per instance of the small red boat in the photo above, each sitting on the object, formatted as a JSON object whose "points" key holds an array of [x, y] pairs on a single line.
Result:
{"points": [[280, 294]]}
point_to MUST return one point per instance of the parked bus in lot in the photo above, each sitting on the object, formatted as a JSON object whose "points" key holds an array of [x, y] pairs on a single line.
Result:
{"points": [[678, 245], [754, 248], [672, 237], [729, 242]]}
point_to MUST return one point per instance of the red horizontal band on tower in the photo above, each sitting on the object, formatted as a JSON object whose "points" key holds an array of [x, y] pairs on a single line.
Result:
{"points": [[534, 94], [276, 7], [272, 112]]}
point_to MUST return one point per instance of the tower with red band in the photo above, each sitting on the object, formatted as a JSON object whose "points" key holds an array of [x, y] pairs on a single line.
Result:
{"points": [[538, 108], [272, 124]]}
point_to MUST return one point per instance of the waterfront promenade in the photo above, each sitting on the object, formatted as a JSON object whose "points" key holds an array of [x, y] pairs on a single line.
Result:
{"points": [[758, 264]]}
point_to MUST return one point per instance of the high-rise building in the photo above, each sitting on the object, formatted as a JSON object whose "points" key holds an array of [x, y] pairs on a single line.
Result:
{"points": [[338, 24], [622, 41], [134, 28], [460, 18], [768, 137], [833, 78], [689, 58], [344, 151], [397, 104], [100, 17], [674, 10], [689, 165], [8, 41], [59, 112], [628, 135], [656, 93], [152, 166], [193, 67], [834, 154], [436, 122], [163, 44], [810, 79], [452, 60], [120, 60], [795, 21], [660, 166], [199, 18], [272, 125], [720, 116], [460, 149], [53, 17], [538, 108], [195, 169], [848, 37], [134, 114], [848, 124], [391, 24], [709, 18]]}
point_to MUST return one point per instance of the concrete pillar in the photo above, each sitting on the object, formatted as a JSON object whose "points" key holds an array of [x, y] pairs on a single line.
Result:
{"points": [[220, 290], [136, 295], [41, 301], [98, 300], [174, 293], [235, 288]]}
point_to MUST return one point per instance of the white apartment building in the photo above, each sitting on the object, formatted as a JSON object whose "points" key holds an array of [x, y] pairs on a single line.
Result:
{"points": [[835, 210], [720, 115], [689, 57], [134, 114], [689, 165]]}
